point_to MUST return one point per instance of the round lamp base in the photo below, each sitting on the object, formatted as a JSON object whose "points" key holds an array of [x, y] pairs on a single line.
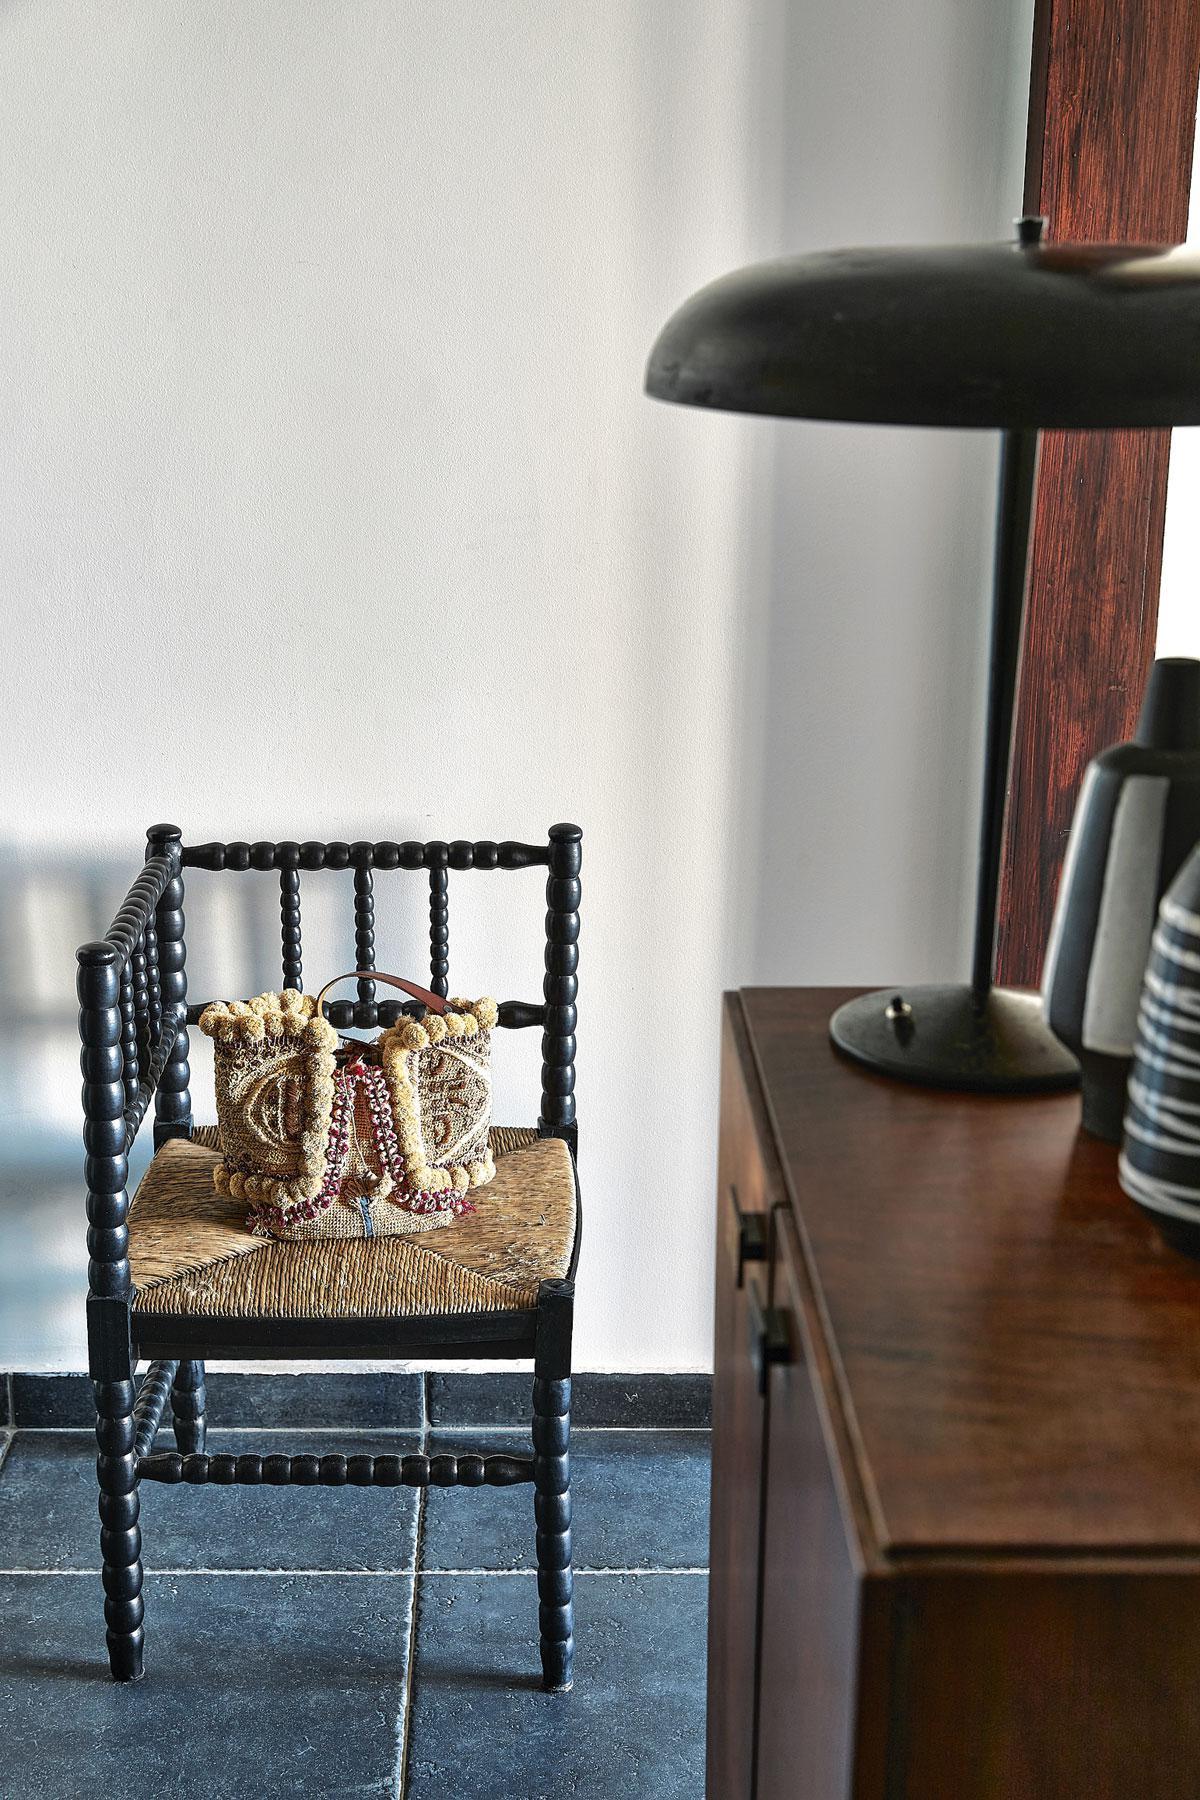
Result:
{"points": [[945, 1037]]}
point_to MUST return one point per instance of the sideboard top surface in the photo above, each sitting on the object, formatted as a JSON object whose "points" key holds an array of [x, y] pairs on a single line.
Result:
{"points": [[1014, 1354]]}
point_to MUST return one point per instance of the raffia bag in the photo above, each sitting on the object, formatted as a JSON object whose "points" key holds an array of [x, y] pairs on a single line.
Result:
{"points": [[331, 1139]]}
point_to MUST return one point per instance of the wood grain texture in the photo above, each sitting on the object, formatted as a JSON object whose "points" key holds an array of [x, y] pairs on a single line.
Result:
{"points": [[1109, 154], [1047, 1685], [1014, 1355]]}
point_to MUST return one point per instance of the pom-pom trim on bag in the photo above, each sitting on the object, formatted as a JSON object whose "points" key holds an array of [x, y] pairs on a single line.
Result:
{"points": [[285, 1016], [398, 1047], [279, 1204]]}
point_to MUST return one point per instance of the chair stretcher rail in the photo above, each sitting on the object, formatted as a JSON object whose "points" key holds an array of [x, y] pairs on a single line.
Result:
{"points": [[336, 1470], [148, 1407]]}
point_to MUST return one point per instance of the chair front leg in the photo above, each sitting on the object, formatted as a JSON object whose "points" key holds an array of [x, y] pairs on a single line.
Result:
{"points": [[552, 1481], [188, 1402], [120, 1533]]}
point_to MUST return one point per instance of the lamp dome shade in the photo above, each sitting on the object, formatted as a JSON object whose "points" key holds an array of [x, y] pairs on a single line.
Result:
{"points": [[1069, 336]]}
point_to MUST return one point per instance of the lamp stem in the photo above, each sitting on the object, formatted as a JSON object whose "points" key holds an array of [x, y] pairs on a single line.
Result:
{"points": [[1018, 480]]}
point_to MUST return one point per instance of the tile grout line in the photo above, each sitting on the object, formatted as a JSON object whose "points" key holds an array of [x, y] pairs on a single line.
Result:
{"points": [[689, 1569], [405, 1720], [481, 1425], [356, 1574], [387, 1431]]}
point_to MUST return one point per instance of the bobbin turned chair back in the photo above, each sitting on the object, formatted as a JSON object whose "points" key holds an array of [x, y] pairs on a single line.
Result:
{"points": [[556, 1014], [148, 943]]}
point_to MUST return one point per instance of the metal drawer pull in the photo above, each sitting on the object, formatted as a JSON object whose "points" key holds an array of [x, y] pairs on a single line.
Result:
{"points": [[752, 1235], [770, 1336]]}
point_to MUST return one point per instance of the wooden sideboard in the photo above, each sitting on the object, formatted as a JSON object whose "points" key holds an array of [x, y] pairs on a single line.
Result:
{"points": [[956, 1447]]}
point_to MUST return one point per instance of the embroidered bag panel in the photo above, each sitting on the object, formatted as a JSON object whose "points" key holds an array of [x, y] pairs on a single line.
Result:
{"points": [[358, 1140], [274, 1065], [439, 1072]]}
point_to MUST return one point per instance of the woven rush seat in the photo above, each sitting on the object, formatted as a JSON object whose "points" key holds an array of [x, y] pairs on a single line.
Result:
{"points": [[191, 1254]]}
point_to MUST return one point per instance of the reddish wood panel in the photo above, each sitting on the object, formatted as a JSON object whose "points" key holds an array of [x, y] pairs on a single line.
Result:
{"points": [[1050, 1685], [1111, 122]]}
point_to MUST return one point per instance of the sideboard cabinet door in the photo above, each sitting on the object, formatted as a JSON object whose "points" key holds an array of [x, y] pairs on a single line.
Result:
{"points": [[811, 1591], [742, 1216]]}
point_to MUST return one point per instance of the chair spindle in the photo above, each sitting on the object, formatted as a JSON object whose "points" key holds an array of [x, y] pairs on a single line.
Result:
{"points": [[364, 923], [154, 1011], [140, 978], [129, 1036], [168, 986], [289, 916], [560, 986], [439, 918]]}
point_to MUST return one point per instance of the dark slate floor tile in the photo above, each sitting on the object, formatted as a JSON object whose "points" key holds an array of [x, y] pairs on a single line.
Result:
{"points": [[500, 1397], [48, 1511], [652, 1401], [53, 1401], [264, 1685], [356, 1400], [633, 1723], [634, 1401], [640, 1501]]}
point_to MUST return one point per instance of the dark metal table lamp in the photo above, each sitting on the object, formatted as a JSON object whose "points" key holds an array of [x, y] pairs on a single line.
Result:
{"points": [[1020, 338]]}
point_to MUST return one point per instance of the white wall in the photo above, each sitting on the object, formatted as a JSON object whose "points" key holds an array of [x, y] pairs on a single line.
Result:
{"points": [[330, 505]]}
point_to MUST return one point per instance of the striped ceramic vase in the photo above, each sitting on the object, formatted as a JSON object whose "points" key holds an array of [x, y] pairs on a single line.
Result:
{"points": [[1160, 1155], [1137, 818]]}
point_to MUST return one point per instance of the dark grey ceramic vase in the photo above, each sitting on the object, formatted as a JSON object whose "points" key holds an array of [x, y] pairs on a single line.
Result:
{"points": [[1137, 818], [1160, 1153]]}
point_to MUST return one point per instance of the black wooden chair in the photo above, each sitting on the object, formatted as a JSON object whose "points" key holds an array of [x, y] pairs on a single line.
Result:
{"points": [[166, 1275]]}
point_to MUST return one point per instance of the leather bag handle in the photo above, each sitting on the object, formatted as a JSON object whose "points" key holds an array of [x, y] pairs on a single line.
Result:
{"points": [[434, 1002]]}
